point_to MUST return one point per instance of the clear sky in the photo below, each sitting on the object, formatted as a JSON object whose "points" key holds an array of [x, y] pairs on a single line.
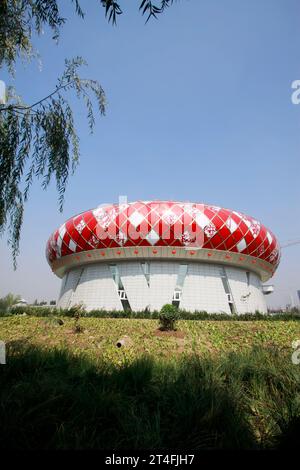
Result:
{"points": [[199, 109]]}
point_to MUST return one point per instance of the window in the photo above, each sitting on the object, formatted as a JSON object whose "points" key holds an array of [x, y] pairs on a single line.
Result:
{"points": [[182, 271], [177, 295], [119, 285], [122, 295]]}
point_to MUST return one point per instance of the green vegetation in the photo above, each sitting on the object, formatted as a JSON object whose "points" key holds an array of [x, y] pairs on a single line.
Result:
{"points": [[99, 336], [40, 311], [168, 316], [7, 302], [52, 399], [207, 385]]}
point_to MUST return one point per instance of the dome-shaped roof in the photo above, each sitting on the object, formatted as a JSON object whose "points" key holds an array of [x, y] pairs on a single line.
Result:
{"points": [[164, 228]]}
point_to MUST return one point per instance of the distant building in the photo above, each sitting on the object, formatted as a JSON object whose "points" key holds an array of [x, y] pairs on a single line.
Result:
{"points": [[21, 303], [144, 254]]}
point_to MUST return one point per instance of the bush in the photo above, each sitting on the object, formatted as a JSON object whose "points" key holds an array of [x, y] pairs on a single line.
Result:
{"points": [[77, 311], [33, 310], [168, 316], [45, 311], [7, 302]]}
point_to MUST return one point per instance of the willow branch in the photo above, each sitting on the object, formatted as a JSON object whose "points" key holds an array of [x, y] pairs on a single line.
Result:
{"points": [[18, 107]]}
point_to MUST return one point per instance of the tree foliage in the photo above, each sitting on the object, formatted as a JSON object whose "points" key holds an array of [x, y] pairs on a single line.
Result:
{"points": [[39, 140], [19, 19], [147, 7], [8, 301]]}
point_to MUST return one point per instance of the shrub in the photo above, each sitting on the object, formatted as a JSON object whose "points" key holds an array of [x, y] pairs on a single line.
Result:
{"points": [[33, 310], [7, 302], [45, 311], [77, 311], [168, 316]]}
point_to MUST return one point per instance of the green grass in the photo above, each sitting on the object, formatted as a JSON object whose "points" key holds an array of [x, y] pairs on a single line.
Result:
{"points": [[222, 385], [100, 335]]}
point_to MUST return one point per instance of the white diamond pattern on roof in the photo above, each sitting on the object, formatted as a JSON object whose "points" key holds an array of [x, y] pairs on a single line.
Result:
{"points": [[72, 245], [255, 228], [104, 215], [62, 231], [269, 237], [202, 220], [241, 245], [169, 217], [210, 230], [152, 237], [223, 230], [136, 218], [80, 226], [231, 224]]}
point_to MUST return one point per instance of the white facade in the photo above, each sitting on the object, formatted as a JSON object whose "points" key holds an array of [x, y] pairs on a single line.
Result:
{"points": [[148, 284]]}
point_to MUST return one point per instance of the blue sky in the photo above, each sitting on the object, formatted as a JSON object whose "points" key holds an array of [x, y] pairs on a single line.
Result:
{"points": [[199, 109]]}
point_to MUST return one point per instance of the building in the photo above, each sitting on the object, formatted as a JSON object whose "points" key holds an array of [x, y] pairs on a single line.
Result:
{"points": [[144, 254], [21, 303]]}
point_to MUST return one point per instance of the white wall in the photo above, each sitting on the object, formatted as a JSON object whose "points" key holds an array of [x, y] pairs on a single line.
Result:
{"points": [[203, 289], [163, 277], [68, 284], [95, 289], [135, 285], [247, 299]]}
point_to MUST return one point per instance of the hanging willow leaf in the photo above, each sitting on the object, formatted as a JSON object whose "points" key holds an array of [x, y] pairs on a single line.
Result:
{"points": [[42, 138]]}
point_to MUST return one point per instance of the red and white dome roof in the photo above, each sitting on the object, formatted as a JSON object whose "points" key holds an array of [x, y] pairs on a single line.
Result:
{"points": [[165, 229]]}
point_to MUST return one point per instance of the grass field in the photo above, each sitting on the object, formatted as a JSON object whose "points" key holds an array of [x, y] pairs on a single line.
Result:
{"points": [[99, 336], [210, 384]]}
